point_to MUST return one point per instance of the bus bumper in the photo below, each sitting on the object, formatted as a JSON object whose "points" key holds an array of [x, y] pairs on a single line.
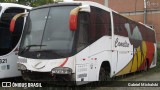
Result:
{"points": [[46, 76]]}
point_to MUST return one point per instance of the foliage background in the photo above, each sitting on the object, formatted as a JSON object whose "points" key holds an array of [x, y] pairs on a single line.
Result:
{"points": [[32, 3]]}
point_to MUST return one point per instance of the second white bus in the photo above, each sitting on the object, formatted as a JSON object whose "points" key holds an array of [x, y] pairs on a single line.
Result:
{"points": [[11, 26], [83, 41]]}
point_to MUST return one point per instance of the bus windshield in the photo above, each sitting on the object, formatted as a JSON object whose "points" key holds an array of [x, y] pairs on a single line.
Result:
{"points": [[9, 39], [48, 29]]}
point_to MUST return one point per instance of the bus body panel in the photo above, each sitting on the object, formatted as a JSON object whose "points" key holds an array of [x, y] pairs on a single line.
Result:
{"points": [[124, 51], [8, 66], [89, 60], [46, 65], [153, 64], [8, 61]]}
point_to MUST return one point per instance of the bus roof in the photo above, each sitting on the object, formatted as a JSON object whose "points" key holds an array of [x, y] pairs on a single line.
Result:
{"points": [[76, 3], [146, 25], [91, 4], [56, 4], [14, 5]]}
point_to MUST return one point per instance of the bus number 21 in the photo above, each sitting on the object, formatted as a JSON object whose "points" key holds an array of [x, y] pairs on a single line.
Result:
{"points": [[3, 61]]}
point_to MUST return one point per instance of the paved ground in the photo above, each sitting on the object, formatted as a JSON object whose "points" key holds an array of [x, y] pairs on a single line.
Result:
{"points": [[143, 76], [140, 76]]}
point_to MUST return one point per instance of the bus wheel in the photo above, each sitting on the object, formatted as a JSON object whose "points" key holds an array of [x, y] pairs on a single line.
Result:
{"points": [[25, 76], [104, 75], [146, 66]]}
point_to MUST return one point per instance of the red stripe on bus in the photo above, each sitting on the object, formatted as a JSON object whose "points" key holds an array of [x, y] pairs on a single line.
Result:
{"points": [[64, 62]]}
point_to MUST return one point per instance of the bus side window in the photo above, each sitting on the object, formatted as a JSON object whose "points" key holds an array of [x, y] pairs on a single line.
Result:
{"points": [[100, 24], [119, 25], [83, 27], [9, 39], [18, 25]]}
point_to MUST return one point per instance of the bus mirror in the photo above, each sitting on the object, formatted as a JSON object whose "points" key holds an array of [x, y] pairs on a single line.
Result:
{"points": [[73, 18], [12, 23]]}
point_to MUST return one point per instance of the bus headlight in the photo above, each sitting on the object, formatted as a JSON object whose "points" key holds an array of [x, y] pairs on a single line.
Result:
{"points": [[22, 67], [61, 70]]}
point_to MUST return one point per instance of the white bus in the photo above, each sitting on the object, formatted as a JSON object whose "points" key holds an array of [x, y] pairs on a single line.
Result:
{"points": [[11, 26], [83, 41]]}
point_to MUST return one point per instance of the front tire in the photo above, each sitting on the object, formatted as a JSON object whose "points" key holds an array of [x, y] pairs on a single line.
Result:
{"points": [[25, 76], [104, 74]]}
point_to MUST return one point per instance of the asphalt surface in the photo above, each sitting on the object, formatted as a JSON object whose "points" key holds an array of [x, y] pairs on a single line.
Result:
{"points": [[139, 76]]}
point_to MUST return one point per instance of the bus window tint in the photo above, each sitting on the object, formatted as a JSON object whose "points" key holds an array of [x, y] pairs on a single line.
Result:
{"points": [[48, 27], [34, 28], [119, 22], [83, 27], [120, 29], [57, 31], [8, 40], [100, 24]]}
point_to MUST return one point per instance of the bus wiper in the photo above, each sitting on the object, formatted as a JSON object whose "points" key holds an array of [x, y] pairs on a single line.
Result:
{"points": [[29, 46]]}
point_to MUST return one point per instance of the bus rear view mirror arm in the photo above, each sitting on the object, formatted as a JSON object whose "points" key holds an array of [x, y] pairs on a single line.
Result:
{"points": [[74, 16], [85, 8], [13, 21]]}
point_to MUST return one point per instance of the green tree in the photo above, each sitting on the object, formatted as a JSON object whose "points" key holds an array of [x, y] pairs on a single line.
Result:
{"points": [[43, 2], [8, 1], [32, 3]]}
